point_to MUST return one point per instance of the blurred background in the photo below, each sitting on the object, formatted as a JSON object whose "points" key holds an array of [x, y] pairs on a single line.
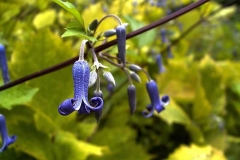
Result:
{"points": [[199, 71]]}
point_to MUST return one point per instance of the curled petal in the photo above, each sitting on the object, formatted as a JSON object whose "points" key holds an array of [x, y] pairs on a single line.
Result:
{"points": [[165, 100], [97, 103], [149, 112], [6, 139], [98, 114], [66, 107]]}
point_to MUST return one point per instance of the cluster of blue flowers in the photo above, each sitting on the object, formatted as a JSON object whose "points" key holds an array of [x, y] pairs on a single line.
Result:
{"points": [[6, 139], [83, 76]]}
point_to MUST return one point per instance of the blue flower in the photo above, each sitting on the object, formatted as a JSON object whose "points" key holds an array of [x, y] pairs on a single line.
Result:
{"points": [[156, 103], [163, 34], [3, 64], [6, 140], [121, 43], [160, 64], [80, 72], [132, 98]]}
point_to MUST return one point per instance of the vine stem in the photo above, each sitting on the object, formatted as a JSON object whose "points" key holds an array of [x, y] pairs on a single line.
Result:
{"points": [[106, 45]]}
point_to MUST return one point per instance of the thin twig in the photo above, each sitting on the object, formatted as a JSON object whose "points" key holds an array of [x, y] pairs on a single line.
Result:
{"points": [[106, 45]]}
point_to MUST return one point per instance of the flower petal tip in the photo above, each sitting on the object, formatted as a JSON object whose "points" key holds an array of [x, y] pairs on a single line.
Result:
{"points": [[66, 107]]}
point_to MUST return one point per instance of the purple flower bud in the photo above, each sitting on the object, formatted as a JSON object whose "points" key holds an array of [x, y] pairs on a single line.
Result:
{"points": [[159, 63], [121, 42], [6, 140], [135, 77], [110, 87], [109, 33], [164, 36], [135, 68], [98, 114], [3, 64], [132, 98], [161, 3]]}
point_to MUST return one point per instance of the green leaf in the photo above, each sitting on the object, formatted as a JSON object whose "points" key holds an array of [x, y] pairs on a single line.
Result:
{"points": [[16, 96], [74, 24], [44, 19], [71, 148], [145, 38], [71, 9], [212, 82], [79, 33], [44, 49], [173, 113], [235, 87], [194, 152], [202, 108]]}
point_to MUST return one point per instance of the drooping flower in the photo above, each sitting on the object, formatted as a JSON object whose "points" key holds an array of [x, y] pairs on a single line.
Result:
{"points": [[81, 73], [132, 98], [160, 63], [156, 103], [3, 64], [163, 34], [6, 139], [121, 43]]}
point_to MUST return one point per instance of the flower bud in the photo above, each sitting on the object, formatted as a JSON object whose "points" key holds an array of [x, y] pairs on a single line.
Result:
{"points": [[109, 33], [135, 77], [135, 68], [93, 25], [132, 98], [4, 65], [109, 77], [121, 42], [159, 63], [92, 78]]}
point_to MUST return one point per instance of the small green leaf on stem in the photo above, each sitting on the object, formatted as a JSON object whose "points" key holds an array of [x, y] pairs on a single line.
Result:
{"points": [[71, 9]]}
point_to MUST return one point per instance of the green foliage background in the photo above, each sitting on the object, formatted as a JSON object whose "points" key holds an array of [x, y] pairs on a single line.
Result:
{"points": [[203, 81]]}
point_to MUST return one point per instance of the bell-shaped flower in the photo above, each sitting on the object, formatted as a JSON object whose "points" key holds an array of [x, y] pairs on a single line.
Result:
{"points": [[159, 62], [6, 139], [156, 103], [3, 64], [81, 73]]}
